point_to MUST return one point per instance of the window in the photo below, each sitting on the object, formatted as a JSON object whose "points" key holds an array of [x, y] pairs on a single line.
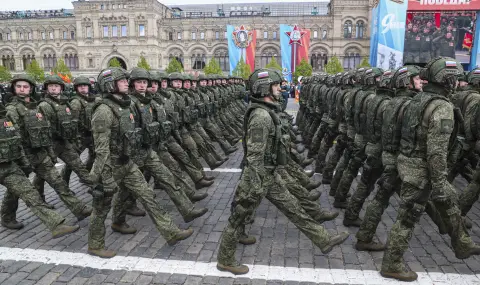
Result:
{"points": [[64, 35], [89, 32], [274, 35], [124, 6], [27, 60], [198, 61], [347, 30], [351, 59], [30, 35], [202, 35], [359, 30], [194, 36], [265, 35], [179, 36], [324, 34], [21, 36], [113, 6], [105, 31], [225, 36], [315, 34], [1, 37], [90, 62], [49, 61], [318, 60], [114, 31], [9, 62], [72, 35], [102, 7], [141, 30], [124, 30], [51, 35], [71, 60], [9, 37], [267, 56], [170, 36], [43, 35], [221, 56], [217, 35]]}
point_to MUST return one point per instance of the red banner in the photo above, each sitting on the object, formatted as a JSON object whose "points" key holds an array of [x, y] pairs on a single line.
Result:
{"points": [[467, 41], [443, 5]]}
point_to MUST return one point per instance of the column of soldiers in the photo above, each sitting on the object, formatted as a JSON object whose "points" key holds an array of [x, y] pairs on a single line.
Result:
{"points": [[411, 131], [141, 125]]}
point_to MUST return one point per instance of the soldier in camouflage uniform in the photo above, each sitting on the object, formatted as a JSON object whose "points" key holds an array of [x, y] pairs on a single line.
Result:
{"points": [[15, 168], [260, 177], [427, 126], [191, 164], [372, 169], [117, 140], [359, 105], [64, 121], [318, 89], [82, 103], [406, 81], [37, 141]]}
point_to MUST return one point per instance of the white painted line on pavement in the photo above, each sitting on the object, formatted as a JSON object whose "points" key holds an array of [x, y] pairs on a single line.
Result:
{"points": [[230, 170], [193, 268]]}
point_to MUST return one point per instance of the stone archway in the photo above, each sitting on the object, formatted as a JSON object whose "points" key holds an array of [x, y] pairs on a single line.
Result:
{"points": [[120, 60]]}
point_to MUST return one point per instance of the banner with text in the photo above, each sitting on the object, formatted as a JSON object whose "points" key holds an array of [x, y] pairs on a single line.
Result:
{"points": [[242, 41], [443, 5], [294, 45], [388, 33]]}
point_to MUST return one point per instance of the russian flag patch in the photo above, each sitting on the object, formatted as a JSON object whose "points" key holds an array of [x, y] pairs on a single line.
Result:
{"points": [[402, 70], [450, 64], [263, 74]]}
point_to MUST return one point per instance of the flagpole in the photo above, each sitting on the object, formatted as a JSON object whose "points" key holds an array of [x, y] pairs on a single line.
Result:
{"points": [[294, 57]]}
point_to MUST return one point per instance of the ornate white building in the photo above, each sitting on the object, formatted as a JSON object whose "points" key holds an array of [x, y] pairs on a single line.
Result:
{"points": [[95, 32]]}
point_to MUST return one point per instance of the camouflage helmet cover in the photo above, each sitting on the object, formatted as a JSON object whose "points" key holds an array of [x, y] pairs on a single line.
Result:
{"points": [[81, 80], [443, 71], [473, 77], [53, 79], [23, 77], [107, 78], [261, 80]]}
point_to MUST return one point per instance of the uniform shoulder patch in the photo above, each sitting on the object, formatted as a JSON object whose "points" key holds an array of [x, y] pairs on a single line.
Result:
{"points": [[257, 135], [446, 126]]}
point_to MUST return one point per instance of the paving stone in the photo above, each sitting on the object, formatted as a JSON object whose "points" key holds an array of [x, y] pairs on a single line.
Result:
{"points": [[130, 276], [78, 281], [15, 278], [69, 274], [41, 271], [143, 280], [48, 278], [115, 276]]}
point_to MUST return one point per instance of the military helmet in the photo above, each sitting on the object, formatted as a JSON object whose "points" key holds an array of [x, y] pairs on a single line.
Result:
{"points": [[202, 77], [371, 75], [175, 76], [348, 77], [338, 78], [261, 80], [23, 77], [462, 76], [402, 76], [155, 75], [187, 77], [81, 80], [106, 81], [138, 73], [473, 77], [385, 79], [443, 71], [53, 79]]}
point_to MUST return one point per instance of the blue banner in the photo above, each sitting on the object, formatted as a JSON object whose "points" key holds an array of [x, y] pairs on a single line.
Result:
{"points": [[286, 51], [388, 34]]}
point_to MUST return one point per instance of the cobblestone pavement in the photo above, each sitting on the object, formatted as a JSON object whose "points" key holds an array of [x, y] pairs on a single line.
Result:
{"points": [[282, 254]]}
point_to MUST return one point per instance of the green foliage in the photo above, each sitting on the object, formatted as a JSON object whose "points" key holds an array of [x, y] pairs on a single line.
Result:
{"points": [[35, 71], [364, 63], [273, 64], [303, 69], [5, 74], [333, 66], [143, 63], [174, 66], [213, 68], [61, 68], [242, 69], [114, 63]]}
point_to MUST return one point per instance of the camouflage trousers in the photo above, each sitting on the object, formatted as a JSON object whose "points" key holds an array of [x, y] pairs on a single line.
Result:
{"points": [[192, 166], [151, 163], [311, 129], [372, 170], [325, 145], [86, 143], [341, 165], [130, 182], [19, 187], [471, 194], [44, 168], [335, 156], [414, 196], [317, 138], [352, 169], [181, 177], [204, 142], [214, 132], [248, 198]]}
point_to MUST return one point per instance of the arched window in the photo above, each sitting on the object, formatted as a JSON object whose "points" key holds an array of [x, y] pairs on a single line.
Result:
{"points": [[318, 59], [347, 30], [177, 54], [198, 60], [351, 59], [49, 60], [359, 30], [267, 55], [27, 60], [71, 60], [8, 61], [221, 56]]}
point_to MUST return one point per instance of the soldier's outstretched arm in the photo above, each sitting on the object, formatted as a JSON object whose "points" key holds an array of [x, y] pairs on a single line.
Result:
{"points": [[101, 130], [440, 127]]}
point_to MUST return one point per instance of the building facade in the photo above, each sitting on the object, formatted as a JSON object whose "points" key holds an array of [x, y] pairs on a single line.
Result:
{"points": [[96, 32]]}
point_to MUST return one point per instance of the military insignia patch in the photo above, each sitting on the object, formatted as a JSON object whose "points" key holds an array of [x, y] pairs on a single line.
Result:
{"points": [[39, 116], [67, 110], [150, 109], [446, 126], [131, 117], [257, 135]]}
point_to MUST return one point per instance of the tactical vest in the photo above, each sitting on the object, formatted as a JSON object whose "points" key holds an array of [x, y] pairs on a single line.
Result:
{"points": [[10, 142], [350, 108], [374, 120], [360, 115], [412, 127], [280, 152], [472, 119], [65, 126], [332, 103], [34, 127], [392, 123], [86, 113], [191, 108], [126, 140], [172, 116], [339, 104], [150, 127]]}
